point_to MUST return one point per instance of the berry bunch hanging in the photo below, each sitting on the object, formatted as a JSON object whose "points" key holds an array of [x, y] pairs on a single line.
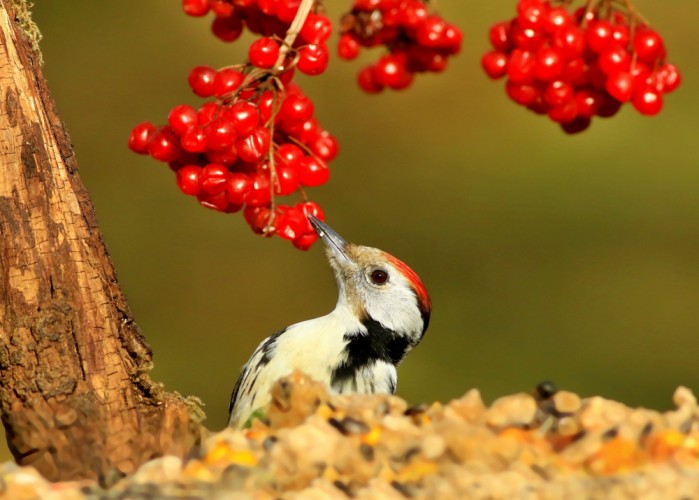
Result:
{"points": [[573, 65], [256, 138], [417, 40]]}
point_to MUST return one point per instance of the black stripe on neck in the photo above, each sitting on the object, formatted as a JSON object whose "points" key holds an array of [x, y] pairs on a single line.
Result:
{"points": [[425, 321], [364, 349]]}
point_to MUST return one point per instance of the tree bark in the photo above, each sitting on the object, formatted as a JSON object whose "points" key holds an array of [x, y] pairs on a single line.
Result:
{"points": [[75, 395]]}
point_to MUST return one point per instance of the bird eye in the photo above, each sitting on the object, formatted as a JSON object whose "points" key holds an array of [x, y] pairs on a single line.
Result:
{"points": [[379, 276]]}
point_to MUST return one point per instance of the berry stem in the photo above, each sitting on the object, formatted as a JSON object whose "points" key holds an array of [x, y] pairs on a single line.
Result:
{"points": [[273, 179], [635, 15], [294, 30]]}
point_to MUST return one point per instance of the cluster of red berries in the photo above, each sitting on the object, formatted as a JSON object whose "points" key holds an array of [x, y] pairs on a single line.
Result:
{"points": [[256, 138], [241, 150], [417, 41], [574, 66], [271, 19]]}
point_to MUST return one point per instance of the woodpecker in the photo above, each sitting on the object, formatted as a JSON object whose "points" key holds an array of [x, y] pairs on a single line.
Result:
{"points": [[382, 312]]}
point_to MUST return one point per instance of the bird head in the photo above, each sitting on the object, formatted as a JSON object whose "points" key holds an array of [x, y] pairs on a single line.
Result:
{"points": [[375, 286]]}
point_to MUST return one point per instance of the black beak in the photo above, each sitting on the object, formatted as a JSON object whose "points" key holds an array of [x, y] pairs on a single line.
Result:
{"points": [[335, 243]]}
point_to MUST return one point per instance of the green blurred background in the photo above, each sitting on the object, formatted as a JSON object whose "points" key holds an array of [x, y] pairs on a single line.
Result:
{"points": [[574, 259]]}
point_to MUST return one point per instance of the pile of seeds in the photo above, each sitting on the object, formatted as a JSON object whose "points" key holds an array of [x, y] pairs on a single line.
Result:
{"points": [[311, 445]]}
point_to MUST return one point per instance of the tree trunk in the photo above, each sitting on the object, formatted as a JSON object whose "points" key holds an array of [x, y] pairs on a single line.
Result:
{"points": [[75, 394]]}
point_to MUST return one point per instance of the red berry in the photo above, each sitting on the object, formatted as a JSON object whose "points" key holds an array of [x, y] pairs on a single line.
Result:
{"points": [[522, 93], [325, 146], [648, 45], [220, 134], [555, 19], [188, 180], [348, 47], [647, 101], [576, 126], [195, 8], [231, 208], [532, 15], [313, 59], [390, 71], [582, 15], [264, 52], [226, 157], [558, 92], [289, 155], [259, 193], [574, 72], [595, 77], [194, 140], [549, 64], [296, 108], [290, 223], [228, 28], [213, 178], [217, 201], [620, 35], [304, 132], [244, 116], [316, 29], [669, 77], [310, 208], [430, 33], [207, 112], [599, 35], [500, 36], [452, 39], [412, 14], [312, 171], [182, 118], [564, 113], [266, 104], [227, 81], [524, 5], [609, 106], [140, 137], [165, 145], [201, 80], [367, 82], [588, 102], [268, 7], [527, 39], [621, 86], [287, 180], [570, 40], [614, 60], [286, 10], [305, 241], [258, 218], [222, 8], [641, 74], [237, 187], [495, 64], [425, 59], [253, 147], [251, 213], [521, 66]]}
